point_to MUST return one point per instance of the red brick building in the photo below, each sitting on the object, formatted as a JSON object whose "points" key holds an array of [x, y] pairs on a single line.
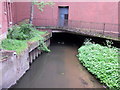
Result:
{"points": [[95, 12], [5, 17]]}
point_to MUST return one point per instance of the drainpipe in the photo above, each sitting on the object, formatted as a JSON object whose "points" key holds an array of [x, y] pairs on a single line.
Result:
{"points": [[31, 13], [10, 7], [7, 12], [10, 13]]}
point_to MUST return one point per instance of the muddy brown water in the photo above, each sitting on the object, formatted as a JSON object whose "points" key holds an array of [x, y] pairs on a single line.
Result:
{"points": [[60, 68]]}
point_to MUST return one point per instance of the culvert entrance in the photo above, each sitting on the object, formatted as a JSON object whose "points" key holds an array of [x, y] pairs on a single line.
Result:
{"points": [[60, 68], [78, 40]]}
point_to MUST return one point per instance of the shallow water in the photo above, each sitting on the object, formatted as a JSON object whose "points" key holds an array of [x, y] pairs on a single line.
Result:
{"points": [[60, 68]]}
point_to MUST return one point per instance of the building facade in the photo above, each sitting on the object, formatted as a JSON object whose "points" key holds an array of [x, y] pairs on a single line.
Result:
{"points": [[5, 17], [99, 13], [92, 14]]}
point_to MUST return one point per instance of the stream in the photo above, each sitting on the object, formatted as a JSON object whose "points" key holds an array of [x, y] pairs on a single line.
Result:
{"points": [[60, 68]]}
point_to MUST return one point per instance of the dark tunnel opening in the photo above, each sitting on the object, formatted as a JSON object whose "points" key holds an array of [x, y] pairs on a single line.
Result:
{"points": [[78, 40]]}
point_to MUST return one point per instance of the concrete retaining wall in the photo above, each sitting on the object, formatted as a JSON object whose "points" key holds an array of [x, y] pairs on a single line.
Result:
{"points": [[8, 70], [13, 66]]}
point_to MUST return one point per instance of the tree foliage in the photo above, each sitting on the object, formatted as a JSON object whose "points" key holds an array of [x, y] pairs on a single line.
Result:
{"points": [[42, 4]]}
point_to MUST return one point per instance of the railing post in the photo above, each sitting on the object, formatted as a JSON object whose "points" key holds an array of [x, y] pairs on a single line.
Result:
{"points": [[119, 31], [103, 28], [90, 26]]}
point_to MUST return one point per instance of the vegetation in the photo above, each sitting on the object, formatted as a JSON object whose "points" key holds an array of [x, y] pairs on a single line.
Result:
{"points": [[102, 61], [40, 6], [23, 32], [18, 36], [16, 45], [43, 46]]}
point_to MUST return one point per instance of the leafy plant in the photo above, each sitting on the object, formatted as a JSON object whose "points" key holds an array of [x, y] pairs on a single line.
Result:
{"points": [[22, 32], [29, 33], [43, 46], [101, 61], [109, 43], [87, 42]]}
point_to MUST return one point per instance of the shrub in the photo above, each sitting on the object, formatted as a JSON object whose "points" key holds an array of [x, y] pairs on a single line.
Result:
{"points": [[102, 61], [24, 32]]}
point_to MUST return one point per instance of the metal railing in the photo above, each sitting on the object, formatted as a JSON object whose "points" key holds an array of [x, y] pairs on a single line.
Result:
{"points": [[104, 29]]}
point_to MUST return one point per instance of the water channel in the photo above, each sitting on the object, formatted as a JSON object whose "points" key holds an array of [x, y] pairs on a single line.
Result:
{"points": [[60, 68]]}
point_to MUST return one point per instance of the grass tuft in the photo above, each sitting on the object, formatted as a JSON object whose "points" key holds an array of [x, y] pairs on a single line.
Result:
{"points": [[16, 45]]}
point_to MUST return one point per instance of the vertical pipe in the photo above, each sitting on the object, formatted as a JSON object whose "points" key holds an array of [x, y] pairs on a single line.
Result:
{"points": [[11, 14], [32, 13], [7, 13]]}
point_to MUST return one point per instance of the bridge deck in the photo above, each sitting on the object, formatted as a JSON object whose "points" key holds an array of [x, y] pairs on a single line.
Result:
{"points": [[89, 32]]}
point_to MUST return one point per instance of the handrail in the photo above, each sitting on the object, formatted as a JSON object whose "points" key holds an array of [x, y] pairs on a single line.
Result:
{"points": [[104, 29]]}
